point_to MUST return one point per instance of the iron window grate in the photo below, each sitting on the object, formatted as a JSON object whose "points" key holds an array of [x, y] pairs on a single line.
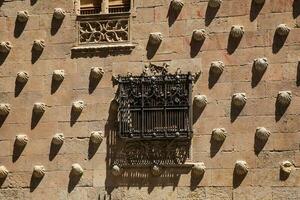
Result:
{"points": [[155, 107]]}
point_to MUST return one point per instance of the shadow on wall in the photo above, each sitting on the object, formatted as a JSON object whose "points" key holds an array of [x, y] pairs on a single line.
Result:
{"points": [[210, 14], [255, 10], [296, 8]]}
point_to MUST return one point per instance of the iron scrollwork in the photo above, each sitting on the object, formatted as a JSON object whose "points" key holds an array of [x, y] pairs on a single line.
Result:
{"points": [[155, 105]]}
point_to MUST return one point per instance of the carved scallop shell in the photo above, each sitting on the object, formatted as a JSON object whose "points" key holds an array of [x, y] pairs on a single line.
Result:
{"points": [[259, 1], [4, 109], [116, 170], [219, 134], [96, 137], [155, 38], [200, 101], [58, 75], [21, 140], [283, 30], [241, 167], [3, 172], [261, 64], [39, 45], [58, 139], [239, 99], [284, 98], [217, 67], [156, 170], [214, 3], [262, 133], [22, 77], [97, 72], [22, 16], [59, 13], [5, 46], [76, 170], [198, 169], [237, 31], [78, 106], [39, 171], [199, 35], [177, 5], [286, 167], [39, 107]]}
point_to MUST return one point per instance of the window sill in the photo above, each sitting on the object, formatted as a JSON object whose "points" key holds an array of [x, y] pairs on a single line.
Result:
{"points": [[103, 49]]}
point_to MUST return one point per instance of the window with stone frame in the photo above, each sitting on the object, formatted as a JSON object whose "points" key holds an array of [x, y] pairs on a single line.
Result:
{"points": [[156, 106], [103, 22]]}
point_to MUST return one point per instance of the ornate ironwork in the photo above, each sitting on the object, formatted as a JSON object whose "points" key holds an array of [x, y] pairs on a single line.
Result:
{"points": [[100, 29], [155, 105]]}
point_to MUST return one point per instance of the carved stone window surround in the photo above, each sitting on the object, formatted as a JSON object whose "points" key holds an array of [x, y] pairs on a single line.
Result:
{"points": [[104, 31]]}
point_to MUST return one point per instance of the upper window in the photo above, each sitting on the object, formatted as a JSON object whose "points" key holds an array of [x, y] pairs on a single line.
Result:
{"points": [[88, 7]]}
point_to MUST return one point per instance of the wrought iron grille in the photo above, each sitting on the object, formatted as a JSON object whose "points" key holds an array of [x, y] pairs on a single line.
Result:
{"points": [[155, 107], [103, 29]]}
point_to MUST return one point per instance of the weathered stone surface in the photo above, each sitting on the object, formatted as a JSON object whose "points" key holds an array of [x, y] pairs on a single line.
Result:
{"points": [[78, 106], [214, 3], [262, 133], [39, 107], [284, 98], [198, 169], [155, 38], [3, 172], [261, 64], [4, 109]]}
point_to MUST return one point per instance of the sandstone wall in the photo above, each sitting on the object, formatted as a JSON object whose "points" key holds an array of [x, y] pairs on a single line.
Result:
{"points": [[263, 179]]}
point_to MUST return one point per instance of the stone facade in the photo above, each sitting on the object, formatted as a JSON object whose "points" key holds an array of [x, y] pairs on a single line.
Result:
{"points": [[79, 169]]}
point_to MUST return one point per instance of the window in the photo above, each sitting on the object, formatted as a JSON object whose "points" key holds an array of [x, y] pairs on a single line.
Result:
{"points": [[88, 7], [104, 24], [155, 106]]}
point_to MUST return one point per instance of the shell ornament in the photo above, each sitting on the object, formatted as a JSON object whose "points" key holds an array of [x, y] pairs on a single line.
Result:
{"points": [[155, 38], [261, 64], [39, 108], [97, 73], [284, 98], [199, 35], [237, 31], [39, 171], [241, 167], [22, 77], [59, 13], [217, 67], [239, 99], [78, 106], [21, 140], [4, 109], [198, 169], [76, 170], [22, 16], [39, 45], [5, 47], [200, 101], [58, 139], [96, 137], [58, 75], [219, 134]]}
